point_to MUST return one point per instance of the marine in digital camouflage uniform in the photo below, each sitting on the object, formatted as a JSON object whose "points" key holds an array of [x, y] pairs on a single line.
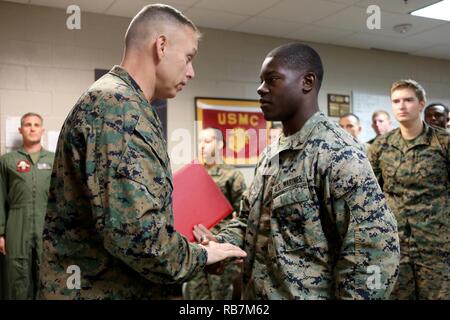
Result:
{"points": [[109, 222], [24, 183], [231, 182], [414, 175], [314, 222], [381, 124], [436, 115], [351, 123]]}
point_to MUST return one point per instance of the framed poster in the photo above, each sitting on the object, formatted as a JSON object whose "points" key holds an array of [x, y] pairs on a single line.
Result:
{"points": [[244, 130], [338, 104]]}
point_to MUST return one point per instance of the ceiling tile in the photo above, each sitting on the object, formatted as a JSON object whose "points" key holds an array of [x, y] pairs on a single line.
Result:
{"points": [[247, 7], [397, 6], [174, 3], [419, 24], [345, 1], [355, 19], [436, 36], [351, 18], [97, 6], [302, 11], [339, 22], [214, 19], [127, 8], [18, 1], [319, 34], [267, 26]]}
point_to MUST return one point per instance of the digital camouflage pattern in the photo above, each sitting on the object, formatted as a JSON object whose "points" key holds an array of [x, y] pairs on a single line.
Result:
{"points": [[24, 188], [314, 222], [110, 204], [206, 286], [230, 181], [414, 176]]}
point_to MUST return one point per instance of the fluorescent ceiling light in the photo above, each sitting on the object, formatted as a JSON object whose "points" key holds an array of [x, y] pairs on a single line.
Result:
{"points": [[440, 11]]}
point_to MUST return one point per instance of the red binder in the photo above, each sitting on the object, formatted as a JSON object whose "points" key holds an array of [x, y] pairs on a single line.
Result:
{"points": [[197, 199]]}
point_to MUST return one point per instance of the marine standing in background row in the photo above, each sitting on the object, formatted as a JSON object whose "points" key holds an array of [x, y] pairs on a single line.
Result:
{"points": [[24, 182], [412, 164], [231, 182], [351, 123], [314, 222], [437, 115], [110, 209], [381, 124]]}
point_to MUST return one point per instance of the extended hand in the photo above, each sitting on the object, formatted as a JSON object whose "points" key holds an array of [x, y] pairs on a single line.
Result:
{"points": [[2, 245], [203, 235], [221, 251]]}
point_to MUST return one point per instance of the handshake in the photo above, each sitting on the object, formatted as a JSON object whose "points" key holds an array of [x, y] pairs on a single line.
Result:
{"points": [[216, 252]]}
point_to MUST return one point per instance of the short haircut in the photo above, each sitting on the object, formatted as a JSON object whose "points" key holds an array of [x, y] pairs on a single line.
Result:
{"points": [[446, 109], [380, 112], [301, 57], [218, 135], [30, 114], [410, 84], [143, 25], [351, 115]]}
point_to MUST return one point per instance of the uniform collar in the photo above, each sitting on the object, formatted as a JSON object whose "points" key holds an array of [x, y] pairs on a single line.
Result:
{"points": [[150, 112], [298, 139], [295, 141], [128, 79], [42, 152], [422, 139], [215, 169]]}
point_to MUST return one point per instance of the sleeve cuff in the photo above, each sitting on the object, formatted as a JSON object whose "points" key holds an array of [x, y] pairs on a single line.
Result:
{"points": [[201, 256]]}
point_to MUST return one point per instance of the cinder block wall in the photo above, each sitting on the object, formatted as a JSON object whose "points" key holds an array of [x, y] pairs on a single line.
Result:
{"points": [[44, 67]]}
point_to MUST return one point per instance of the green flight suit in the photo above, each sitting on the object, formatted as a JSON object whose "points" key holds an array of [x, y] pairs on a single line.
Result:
{"points": [[24, 188]]}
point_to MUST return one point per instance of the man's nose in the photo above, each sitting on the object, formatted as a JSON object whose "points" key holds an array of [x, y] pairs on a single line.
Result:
{"points": [[262, 89], [190, 74]]}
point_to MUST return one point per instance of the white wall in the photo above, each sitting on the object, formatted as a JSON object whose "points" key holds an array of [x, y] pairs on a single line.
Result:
{"points": [[44, 67]]}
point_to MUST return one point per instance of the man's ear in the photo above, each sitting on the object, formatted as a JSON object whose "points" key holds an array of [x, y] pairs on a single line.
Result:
{"points": [[220, 145], [308, 82], [422, 105], [161, 46]]}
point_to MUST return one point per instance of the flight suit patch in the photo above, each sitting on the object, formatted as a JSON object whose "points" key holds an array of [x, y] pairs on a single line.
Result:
{"points": [[23, 166]]}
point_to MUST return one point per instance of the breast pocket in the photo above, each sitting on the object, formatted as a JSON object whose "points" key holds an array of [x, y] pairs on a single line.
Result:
{"points": [[431, 167], [389, 163], [143, 163], [297, 216]]}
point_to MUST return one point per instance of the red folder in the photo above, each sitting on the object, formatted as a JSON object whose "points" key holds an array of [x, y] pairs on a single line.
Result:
{"points": [[197, 199]]}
